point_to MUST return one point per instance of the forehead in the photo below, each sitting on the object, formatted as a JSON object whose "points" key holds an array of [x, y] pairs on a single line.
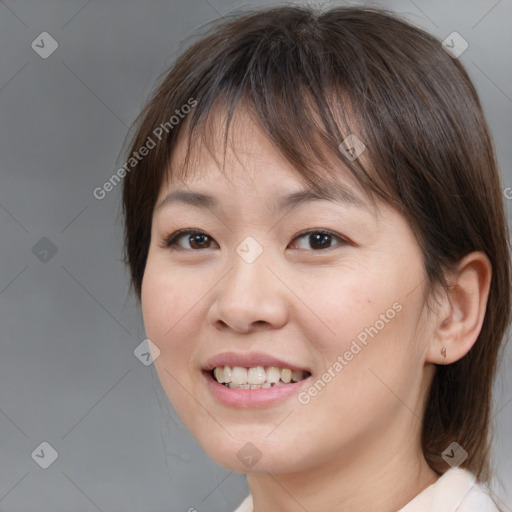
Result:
{"points": [[242, 150], [243, 158]]}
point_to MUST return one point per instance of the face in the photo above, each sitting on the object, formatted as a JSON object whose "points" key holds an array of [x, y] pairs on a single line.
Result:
{"points": [[328, 286]]}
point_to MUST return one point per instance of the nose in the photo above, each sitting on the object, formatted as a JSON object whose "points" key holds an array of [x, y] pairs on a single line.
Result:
{"points": [[249, 297]]}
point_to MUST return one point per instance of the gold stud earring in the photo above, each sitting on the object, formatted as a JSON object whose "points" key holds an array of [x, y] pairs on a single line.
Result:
{"points": [[443, 353]]}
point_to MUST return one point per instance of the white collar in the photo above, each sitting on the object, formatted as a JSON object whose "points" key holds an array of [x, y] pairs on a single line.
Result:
{"points": [[446, 494]]}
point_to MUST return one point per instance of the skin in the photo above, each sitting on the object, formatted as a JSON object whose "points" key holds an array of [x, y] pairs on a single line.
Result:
{"points": [[356, 445]]}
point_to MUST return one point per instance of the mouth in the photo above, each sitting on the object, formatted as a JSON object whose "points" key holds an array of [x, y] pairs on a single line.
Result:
{"points": [[257, 377]]}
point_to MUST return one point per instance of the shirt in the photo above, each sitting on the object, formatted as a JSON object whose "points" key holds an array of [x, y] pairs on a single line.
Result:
{"points": [[454, 491]]}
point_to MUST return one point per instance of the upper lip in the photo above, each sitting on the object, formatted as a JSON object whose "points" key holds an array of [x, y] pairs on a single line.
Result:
{"points": [[248, 360]]}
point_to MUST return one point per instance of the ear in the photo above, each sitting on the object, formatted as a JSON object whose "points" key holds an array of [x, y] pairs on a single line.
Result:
{"points": [[462, 309]]}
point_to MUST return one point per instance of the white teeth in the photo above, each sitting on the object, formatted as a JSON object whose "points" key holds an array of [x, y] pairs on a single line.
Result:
{"points": [[256, 377], [228, 375], [219, 374], [223, 374], [286, 375], [273, 374], [238, 375], [297, 375], [252, 386]]}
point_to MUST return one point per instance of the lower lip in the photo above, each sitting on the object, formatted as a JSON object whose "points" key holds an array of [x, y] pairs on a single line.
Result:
{"points": [[252, 397]]}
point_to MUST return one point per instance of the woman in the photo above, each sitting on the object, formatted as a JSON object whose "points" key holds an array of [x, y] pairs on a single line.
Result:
{"points": [[318, 240]]}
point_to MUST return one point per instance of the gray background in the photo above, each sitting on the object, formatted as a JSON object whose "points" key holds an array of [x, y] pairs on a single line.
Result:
{"points": [[68, 326]]}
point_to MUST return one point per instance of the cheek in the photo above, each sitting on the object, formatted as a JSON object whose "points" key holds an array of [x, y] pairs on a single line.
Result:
{"points": [[170, 321], [349, 304], [366, 321], [168, 311], [155, 297]]}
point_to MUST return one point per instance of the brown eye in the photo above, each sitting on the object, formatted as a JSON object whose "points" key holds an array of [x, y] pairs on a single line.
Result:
{"points": [[319, 239], [196, 239]]}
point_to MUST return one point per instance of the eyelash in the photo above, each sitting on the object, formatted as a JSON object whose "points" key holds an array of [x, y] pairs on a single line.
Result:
{"points": [[170, 241]]}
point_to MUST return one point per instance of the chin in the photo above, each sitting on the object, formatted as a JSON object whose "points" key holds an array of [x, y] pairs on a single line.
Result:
{"points": [[252, 456]]}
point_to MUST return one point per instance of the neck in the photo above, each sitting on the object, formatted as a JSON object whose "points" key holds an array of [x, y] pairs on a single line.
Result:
{"points": [[383, 477]]}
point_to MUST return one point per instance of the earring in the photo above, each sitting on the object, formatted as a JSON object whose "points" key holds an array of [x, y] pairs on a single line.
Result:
{"points": [[443, 353]]}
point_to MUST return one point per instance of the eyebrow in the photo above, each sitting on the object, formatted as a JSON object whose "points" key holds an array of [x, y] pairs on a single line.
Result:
{"points": [[287, 202]]}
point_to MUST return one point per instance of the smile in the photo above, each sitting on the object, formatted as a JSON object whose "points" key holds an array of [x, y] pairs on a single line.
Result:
{"points": [[238, 377]]}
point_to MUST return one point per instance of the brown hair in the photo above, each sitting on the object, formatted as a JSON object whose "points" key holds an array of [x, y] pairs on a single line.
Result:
{"points": [[429, 153]]}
